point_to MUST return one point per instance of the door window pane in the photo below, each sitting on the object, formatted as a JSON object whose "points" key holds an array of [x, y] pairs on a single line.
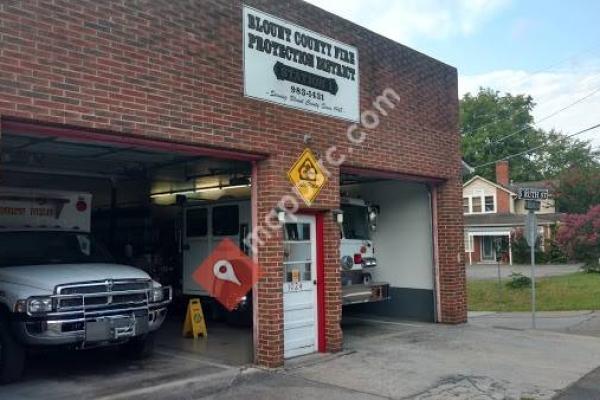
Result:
{"points": [[196, 222], [296, 251], [476, 204], [489, 203], [297, 231], [297, 272], [226, 220]]}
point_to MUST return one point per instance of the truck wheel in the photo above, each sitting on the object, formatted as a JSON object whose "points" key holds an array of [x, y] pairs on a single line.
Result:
{"points": [[12, 356], [139, 347], [367, 278]]}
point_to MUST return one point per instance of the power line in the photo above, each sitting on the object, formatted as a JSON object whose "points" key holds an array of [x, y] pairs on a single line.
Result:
{"points": [[535, 123], [537, 147], [548, 116]]}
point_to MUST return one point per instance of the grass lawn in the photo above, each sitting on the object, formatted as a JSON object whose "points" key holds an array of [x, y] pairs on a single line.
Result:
{"points": [[577, 291]]}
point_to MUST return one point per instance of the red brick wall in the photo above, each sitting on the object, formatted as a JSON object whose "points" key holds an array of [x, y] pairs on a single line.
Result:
{"points": [[502, 173], [502, 202], [173, 71]]}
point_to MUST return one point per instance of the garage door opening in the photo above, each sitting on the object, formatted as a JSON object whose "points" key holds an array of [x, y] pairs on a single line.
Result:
{"points": [[396, 236], [161, 208]]}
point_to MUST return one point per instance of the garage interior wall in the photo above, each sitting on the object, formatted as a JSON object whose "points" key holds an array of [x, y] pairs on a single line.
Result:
{"points": [[403, 248]]}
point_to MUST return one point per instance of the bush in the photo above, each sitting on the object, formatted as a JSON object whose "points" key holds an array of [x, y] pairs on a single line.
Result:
{"points": [[552, 253], [521, 250], [518, 281], [579, 237]]}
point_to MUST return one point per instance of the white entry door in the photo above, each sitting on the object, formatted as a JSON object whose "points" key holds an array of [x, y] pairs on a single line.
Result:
{"points": [[299, 287]]}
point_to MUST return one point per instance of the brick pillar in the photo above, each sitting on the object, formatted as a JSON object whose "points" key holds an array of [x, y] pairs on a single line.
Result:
{"points": [[269, 311], [333, 285], [452, 280]]}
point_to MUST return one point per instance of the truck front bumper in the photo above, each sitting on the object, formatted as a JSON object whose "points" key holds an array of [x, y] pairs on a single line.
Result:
{"points": [[90, 329]]}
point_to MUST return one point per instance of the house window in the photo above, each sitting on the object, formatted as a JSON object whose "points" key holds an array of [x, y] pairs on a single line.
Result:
{"points": [[489, 204], [476, 205]]}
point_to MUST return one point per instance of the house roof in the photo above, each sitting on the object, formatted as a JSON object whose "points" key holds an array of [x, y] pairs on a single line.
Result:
{"points": [[467, 183], [509, 219]]}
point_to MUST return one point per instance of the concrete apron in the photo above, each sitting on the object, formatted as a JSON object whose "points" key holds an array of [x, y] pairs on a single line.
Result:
{"points": [[383, 359], [424, 361]]}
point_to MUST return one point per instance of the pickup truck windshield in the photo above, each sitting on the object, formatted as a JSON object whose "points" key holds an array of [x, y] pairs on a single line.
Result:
{"points": [[49, 247], [356, 225]]}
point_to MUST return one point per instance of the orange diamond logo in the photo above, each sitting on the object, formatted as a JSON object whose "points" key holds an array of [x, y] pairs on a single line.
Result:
{"points": [[307, 176], [227, 274]]}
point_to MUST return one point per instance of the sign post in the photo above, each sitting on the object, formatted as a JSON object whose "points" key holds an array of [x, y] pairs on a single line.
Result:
{"points": [[532, 199], [531, 235]]}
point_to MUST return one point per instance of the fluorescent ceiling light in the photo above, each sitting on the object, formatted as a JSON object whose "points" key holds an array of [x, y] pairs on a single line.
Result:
{"points": [[154, 195], [198, 190]]}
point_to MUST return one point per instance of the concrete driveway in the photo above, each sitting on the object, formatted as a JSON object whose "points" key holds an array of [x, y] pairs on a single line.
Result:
{"points": [[383, 360], [422, 361], [490, 271]]}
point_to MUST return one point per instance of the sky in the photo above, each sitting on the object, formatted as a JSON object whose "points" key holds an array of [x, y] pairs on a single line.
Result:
{"points": [[549, 49]]}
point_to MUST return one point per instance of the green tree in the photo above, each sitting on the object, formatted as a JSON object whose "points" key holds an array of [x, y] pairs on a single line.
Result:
{"points": [[562, 154], [495, 126], [578, 189]]}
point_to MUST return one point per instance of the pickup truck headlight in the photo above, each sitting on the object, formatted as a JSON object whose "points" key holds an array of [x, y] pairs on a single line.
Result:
{"points": [[157, 293], [38, 305]]}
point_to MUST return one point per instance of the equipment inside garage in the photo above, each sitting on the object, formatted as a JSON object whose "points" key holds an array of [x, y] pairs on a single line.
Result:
{"points": [[402, 244], [153, 209]]}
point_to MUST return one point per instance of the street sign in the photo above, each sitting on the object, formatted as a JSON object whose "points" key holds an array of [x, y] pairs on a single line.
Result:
{"points": [[531, 229], [532, 194], [532, 205], [307, 176]]}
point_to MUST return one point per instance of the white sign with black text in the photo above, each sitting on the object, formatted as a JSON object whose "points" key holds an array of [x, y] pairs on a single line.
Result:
{"points": [[295, 67], [532, 194]]}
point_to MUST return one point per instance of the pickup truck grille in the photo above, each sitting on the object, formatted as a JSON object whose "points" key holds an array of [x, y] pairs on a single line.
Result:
{"points": [[105, 295]]}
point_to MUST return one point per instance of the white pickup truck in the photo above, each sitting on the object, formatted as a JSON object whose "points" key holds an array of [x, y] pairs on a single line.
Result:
{"points": [[58, 287]]}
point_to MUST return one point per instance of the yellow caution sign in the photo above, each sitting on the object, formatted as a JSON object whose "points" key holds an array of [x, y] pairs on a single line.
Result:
{"points": [[307, 176], [194, 324]]}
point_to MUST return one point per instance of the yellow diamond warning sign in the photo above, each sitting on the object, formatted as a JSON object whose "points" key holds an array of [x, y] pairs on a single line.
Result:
{"points": [[307, 176]]}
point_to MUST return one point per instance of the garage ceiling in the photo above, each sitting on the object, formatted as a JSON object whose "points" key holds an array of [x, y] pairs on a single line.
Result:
{"points": [[51, 154]]}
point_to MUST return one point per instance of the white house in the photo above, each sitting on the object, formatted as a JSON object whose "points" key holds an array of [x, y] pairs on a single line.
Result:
{"points": [[493, 213]]}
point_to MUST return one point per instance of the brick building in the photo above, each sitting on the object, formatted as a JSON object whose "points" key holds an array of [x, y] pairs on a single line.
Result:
{"points": [[167, 77]]}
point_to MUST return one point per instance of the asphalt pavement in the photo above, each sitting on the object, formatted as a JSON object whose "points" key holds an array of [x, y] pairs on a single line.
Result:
{"points": [[587, 388]]}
